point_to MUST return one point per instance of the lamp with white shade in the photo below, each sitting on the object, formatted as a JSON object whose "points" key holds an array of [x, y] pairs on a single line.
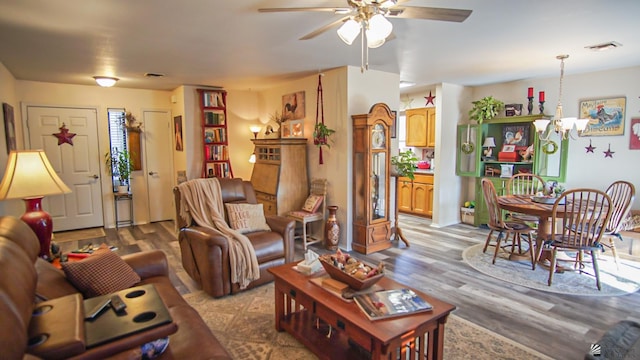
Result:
{"points": [[559, 123], [30, 176], [489, 143]]}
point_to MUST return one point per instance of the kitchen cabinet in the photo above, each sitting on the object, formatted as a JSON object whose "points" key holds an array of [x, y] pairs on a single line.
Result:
{"points": [[549, 159], [416, 197], [421, 127]]}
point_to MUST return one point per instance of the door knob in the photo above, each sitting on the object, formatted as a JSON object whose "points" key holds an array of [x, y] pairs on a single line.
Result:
{"points": [[152, 173], [94, 176]]}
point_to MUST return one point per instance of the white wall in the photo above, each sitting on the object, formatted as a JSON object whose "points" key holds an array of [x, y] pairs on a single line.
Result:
{"points": [[584, 169], [134, 100]]}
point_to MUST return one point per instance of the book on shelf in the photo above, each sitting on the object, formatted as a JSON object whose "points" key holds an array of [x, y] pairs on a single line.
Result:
{"points": [[212, 99], [391, 303], [214, 118]]}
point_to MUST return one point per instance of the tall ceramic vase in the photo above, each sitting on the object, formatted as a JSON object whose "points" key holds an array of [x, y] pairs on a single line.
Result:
{"points": [[332, 229]]}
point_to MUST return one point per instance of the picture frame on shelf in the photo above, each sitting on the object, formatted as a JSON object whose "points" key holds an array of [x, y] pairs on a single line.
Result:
{"points": [[516, 134], [513, 110], [508, 148], [293, 129], [606, 116]]}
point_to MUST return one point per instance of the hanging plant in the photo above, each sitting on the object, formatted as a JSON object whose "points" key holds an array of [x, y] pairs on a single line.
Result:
{"points": [[321, 135], [485, 109]]}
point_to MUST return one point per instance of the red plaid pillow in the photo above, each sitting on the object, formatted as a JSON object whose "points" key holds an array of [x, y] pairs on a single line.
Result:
{"points": [[100, 274]]}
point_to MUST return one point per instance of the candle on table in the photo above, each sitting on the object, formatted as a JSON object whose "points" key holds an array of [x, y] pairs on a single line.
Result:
{"points": [[530, 93], [541, 94]]}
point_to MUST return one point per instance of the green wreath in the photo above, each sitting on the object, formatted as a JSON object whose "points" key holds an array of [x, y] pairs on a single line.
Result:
{"points": [[467, 148], [554, 147]]}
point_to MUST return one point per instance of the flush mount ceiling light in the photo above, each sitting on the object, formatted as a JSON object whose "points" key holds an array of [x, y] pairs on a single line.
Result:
{"points": [[106, 81], [559, 123]]}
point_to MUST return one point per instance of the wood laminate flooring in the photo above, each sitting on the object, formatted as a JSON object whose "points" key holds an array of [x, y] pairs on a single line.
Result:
{"points": [[560, 326]]}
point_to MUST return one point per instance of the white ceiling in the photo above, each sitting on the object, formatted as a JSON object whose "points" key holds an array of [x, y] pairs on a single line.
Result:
{"points": [[229, 44]]}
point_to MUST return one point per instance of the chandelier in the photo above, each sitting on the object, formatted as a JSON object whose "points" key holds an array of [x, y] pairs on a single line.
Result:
{"points": [[371, 23], [559, 123]]}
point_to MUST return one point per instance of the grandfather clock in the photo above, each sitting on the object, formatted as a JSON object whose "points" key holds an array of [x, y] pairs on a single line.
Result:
{"points": [[372, 228]]}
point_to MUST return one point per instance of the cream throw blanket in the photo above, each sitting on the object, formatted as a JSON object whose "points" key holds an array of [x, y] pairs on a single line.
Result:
{"points": [[201, 200]]}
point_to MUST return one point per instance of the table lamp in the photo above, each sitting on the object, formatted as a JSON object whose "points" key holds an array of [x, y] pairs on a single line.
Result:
{"points": [[489, 143], [30, 176]]}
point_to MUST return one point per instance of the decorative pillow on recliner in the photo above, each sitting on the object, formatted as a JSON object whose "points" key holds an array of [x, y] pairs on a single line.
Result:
{"points": [[100, 274], [247, 218], [312, 203]]}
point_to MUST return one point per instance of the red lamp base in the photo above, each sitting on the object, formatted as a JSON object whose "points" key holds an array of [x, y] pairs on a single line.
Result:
{"points": [[41, 223]]}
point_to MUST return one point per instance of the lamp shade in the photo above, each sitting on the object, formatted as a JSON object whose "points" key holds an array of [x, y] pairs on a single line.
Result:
{"points": [[489, 142], [29, 174], [380, 26], [105, 81], [349, 31], [541, 124]]}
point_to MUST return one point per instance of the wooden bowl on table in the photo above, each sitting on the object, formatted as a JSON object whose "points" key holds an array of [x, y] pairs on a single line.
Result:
{"points": [[353, 282]]}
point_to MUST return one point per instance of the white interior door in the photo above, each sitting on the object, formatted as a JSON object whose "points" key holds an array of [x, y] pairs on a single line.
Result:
{"points": [[158, 135], [78, 165]]}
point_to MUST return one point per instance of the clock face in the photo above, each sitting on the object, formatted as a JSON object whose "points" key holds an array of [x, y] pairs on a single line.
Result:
{"points": [[377, 137]]}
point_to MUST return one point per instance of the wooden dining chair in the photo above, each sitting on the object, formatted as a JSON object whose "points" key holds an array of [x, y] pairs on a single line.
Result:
{"points": [[622, 194], [581, 215], [506, 229], [524, 184], [314, 210]]}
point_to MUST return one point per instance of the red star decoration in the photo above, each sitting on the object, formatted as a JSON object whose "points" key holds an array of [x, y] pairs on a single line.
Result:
{"points": [[429, 99], [590, 148], [64, 136], [609, 153]]}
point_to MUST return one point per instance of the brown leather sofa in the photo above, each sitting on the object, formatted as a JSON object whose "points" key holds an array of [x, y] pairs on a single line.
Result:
{"points": [[27, 280], [205, 255]]}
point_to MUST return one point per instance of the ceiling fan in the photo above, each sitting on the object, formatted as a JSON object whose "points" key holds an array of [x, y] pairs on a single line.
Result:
{"points": [[362, 13]]}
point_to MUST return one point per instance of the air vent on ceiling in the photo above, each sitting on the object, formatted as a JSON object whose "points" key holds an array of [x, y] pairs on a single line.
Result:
{"points": [[604, 46], [151, 75]]}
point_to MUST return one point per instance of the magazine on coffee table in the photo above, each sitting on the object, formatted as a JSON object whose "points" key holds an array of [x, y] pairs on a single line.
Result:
{"points": [[391, 303]]}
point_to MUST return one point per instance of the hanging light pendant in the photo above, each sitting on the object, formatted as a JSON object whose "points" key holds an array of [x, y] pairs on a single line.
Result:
{"points": [[560, 124]]}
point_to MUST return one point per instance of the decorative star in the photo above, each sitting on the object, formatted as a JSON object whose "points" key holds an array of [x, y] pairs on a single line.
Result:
{"points": [[609, 153], [429, 99], [406, 102], [590, 148], [64, 136]]}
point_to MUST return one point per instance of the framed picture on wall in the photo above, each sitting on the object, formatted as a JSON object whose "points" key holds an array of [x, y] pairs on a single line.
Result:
{"points": [[293, 129], [9, 127], [606, 116], [516, 134], [293, 106]]}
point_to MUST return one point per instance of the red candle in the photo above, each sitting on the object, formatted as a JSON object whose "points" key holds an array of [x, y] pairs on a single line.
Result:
{"points": [[541, 94], [530, 93]]}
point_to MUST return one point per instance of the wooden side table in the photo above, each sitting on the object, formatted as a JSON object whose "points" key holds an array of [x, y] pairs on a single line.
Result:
{"points": [[123, 197]]}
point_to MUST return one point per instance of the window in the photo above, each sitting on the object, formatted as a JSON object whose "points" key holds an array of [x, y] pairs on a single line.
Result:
{"points": [[117, 136]]}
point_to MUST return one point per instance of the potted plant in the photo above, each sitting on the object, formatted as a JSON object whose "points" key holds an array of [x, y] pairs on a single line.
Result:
{"points": [[321, 134], [118, 164], [485, 109], [405, 163]]}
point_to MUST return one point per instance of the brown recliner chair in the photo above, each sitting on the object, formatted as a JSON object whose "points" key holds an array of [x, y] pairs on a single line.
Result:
{"points": [[205, 255]]}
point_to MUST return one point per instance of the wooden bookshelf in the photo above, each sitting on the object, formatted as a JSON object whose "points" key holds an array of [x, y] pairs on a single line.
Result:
{"points": [[213, 109]]}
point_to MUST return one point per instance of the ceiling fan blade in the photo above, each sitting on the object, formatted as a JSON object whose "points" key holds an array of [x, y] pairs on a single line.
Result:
{"points": [[317, 9], [324, 28], [430, 13]]}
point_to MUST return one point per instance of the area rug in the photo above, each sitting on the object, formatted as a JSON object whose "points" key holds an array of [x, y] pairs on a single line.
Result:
{"points": [[244, 324], [614, 282], [76, 235]]}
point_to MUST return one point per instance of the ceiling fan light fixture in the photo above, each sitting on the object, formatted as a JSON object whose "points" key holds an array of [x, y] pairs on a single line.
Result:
{"points": [[373, 41], [349, 31], [379, 25], [105, 81]]}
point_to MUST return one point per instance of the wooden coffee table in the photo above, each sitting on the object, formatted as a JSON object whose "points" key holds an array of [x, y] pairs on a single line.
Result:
{"points": [[331, 327]]}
